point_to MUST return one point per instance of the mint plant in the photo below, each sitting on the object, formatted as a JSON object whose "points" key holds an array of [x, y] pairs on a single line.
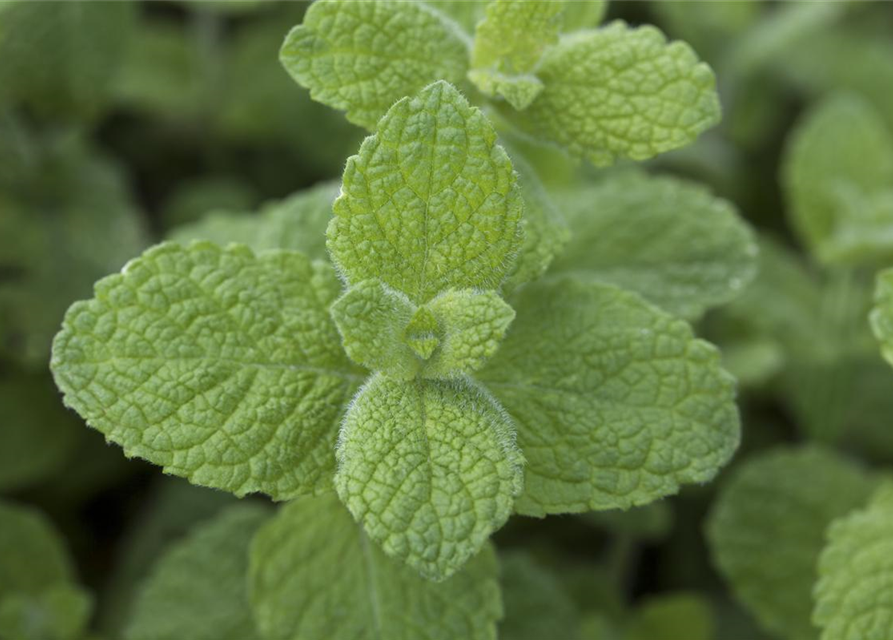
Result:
{"points": [[455, 379]]}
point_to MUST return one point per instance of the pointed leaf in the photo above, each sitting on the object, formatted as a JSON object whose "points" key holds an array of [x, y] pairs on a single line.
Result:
{"points": [[430, 202], [429, 468], [361, 57], [222, 367], [616, 402]]}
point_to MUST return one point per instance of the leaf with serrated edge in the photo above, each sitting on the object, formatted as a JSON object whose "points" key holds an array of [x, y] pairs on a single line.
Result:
{"points": [[361, 57], [840, 148], [473, 325], [669, 240], [223, 367], [854, 593], [767, 529], [507, 45], [430, 202], [371, 318], [615, 401], [198, 589], [316, 576], [621, 92], [296, 223], [430, 469]]}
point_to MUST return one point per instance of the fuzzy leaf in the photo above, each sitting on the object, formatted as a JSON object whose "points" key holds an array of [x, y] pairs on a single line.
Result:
{"points": [[767, 529], [854, 594], [361, 57], [199, 587], [669, 240], [430, 202], [222, 367], [316, 576], [615, 401], [296, 223], [372, 319], [507, 45], [621, 92], [840, 152], [429, 468]]}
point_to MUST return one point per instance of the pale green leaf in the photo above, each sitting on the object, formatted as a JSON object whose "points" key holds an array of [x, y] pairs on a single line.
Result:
{"points": [[60, 57], [839, 152], [430, 202], [767, 529], [507, 45], [60, 612], [854, 593], [584, 14], [536, 605], [672, 617], [316, 576], [669, 240], [621, 92], [37, 435], [372, 319], [34, 557], [473, 323], [296, 223], [199, 587], [223, 367], [545, 231], [615, 401], [514, 34], [430, 469], [361, 57]]}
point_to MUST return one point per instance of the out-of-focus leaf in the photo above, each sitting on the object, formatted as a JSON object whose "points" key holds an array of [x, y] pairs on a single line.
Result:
{"points": [[536, 606]]}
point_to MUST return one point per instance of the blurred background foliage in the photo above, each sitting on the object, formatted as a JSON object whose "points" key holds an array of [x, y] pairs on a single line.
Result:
{"points": [[123, 123]]}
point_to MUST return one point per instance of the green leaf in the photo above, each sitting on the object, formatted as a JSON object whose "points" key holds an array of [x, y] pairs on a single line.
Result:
{"points": [[194, 199], [69, 221], [361, 57], [615, 401], [430, 469], [60, 612], [222, 367], [34, 557], [672, 617], [536, 605], [507, 45], [767, 530], [669, 240], [840, 151], [199, 587], [297, 223], [853, 594], [372, 319], [652, 521], [545, 231], [621, 92], [430, 202], [60, 58], [315, 576], [37, 435], [452, 335], [467, 13], [473, 323]]}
